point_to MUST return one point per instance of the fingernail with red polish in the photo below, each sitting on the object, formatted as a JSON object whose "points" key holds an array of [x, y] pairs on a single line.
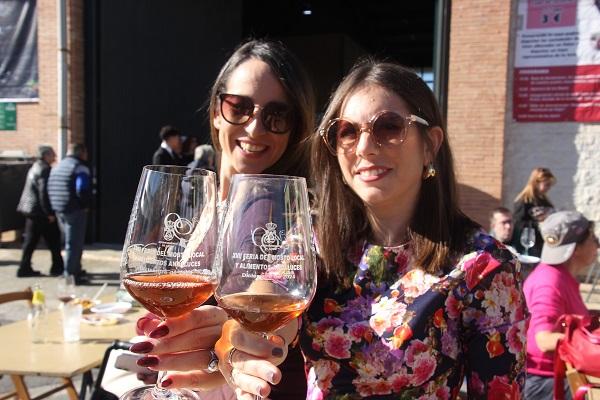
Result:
{"points": [[141, 322], [141, 347], [159, 332], [166, 383], [149, 361]]}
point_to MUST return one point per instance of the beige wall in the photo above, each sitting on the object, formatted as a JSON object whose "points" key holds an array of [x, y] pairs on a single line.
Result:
{"points": [[38, 123]]}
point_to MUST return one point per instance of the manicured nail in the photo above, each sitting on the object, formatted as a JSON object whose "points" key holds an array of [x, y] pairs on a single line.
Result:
{"points": [[148, 361], [141, 322], [258, 389], [277, 352], [159, 332], [166, 383], [142, 347], [271, 377]]}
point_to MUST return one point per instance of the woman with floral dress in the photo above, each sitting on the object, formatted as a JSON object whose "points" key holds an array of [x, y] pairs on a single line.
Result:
{"points": [[413, 296]]}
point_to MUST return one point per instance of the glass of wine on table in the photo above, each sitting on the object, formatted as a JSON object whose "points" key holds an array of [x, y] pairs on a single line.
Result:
{"points": [[167, 261], [265, 252]]}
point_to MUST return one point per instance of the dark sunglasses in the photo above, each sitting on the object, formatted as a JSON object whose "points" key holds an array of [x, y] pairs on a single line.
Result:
{"points": [[275, 116], [387, 128]]}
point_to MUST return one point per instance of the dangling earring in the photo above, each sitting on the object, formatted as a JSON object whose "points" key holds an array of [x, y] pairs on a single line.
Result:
{"points": [[429, 172]]}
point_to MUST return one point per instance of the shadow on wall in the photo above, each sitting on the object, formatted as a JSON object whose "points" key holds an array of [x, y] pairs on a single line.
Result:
{"points": [[476, 204]]}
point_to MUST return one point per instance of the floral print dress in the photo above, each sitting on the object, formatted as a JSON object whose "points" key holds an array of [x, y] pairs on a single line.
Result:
{"points": [[401, 333]]}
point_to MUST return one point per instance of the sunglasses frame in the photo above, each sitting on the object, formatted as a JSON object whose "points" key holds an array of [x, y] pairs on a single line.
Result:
{"points": [[255, 109], [367, 127]]}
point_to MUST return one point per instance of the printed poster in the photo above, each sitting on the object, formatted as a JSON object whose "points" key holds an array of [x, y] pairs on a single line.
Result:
{"points": [[557, 61]]}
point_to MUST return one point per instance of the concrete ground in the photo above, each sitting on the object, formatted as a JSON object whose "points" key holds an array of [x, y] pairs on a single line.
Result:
{"points": [[102, 264]]}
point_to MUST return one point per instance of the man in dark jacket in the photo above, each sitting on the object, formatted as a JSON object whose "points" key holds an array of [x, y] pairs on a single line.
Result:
{"points": [[169, 152], [70, 192], [39, 216]]}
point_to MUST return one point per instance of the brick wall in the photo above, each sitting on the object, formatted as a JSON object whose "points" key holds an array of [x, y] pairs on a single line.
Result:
{"points": [[37, 123], [477, 89]]}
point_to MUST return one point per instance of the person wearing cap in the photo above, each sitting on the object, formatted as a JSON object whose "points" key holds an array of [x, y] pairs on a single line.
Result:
{"points": [[39, 216], [552, 289]]}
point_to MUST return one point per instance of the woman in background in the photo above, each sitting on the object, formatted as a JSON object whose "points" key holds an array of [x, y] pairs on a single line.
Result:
{"points": [[531, 207]]}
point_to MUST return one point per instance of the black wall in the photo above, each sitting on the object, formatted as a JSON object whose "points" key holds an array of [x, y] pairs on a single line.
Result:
{"points": [[148, 63]]}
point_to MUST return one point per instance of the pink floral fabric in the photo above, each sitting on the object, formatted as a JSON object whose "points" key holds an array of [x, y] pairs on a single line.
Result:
{"points": [[401, 333]]}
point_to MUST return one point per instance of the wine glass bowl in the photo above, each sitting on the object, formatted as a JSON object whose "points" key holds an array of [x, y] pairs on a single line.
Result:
{"points": [[167, 260], [65, 288], [265, 252], [527, 238]]}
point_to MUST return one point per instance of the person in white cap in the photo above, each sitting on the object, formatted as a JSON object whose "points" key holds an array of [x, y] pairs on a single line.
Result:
{"points": [[570, 246]]}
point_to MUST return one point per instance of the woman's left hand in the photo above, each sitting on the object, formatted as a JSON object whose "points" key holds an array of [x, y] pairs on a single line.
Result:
{"points": [[182, 344], [248, 361]]}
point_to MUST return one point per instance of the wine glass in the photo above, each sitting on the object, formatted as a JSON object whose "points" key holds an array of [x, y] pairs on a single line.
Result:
{"points": [[65, 288], [167, 261], [265, 252], [527, 238]]}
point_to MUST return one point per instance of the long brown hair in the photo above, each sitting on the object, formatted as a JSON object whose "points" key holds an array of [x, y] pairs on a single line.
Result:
{"points": [[294, 80], [438, 227], [530, 193]]}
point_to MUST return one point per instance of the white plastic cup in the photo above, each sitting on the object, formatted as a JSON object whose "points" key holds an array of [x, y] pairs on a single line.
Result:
{"points": [[71, 318]]}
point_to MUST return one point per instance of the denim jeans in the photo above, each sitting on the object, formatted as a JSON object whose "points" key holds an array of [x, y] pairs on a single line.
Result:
{"points": [[542, 388], [74, 228]]}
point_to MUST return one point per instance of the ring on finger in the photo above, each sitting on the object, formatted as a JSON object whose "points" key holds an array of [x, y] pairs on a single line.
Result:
{"points": [[230, 357], [213, 363]]}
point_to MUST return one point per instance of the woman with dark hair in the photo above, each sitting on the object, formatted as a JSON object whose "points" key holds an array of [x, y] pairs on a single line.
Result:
{"points": [[261, 112], [413, 296], [532, 206]]}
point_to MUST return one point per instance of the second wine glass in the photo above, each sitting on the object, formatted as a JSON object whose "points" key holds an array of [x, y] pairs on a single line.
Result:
{"points": [[265, 252]]}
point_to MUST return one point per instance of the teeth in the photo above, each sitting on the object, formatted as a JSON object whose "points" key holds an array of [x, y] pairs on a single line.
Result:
{"points": [[252, 148], [372, 172]]}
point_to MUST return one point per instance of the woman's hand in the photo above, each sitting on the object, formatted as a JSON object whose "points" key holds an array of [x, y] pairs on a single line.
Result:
{"points": [[192, 337], [248, 361]]}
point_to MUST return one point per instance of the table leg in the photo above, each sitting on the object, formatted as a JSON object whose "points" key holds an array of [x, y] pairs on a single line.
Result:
{"points": [[21, 389], [70, 389]]}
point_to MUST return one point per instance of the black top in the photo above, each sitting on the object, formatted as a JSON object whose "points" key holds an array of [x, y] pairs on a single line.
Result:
{"points": [[163, 157]]}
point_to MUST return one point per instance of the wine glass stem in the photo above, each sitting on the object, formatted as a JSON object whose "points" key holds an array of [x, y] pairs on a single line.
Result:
{"points": [[159, 393]]}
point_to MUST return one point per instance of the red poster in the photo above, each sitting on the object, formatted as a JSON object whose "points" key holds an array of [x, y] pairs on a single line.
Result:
{"points": [[552, 94], [557, 61]]}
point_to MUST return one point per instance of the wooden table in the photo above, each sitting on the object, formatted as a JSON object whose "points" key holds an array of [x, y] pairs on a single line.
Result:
{"points": [[54, 358]]}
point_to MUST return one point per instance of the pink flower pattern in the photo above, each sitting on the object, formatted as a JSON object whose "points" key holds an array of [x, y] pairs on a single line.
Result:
{"points": [[359, 350]]}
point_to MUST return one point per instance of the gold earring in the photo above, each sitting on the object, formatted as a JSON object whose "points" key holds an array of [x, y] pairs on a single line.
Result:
{"points": [[430, 172]]}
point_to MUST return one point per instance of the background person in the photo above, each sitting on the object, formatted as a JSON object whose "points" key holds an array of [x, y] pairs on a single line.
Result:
{"points": [[501, 224], [70, 193], [169, 152], [413, 296], [531, 207], [261, 113], [39, 216], [204, 157], [551, 290], [188, 147]]}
